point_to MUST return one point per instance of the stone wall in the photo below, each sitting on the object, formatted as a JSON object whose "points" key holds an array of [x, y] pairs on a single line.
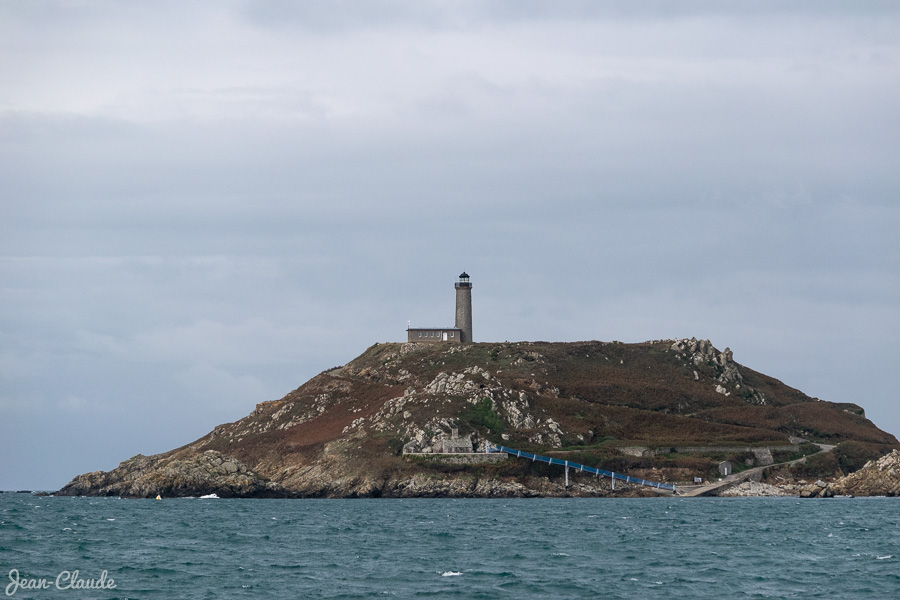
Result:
{"points": [[763, 453], [471, 458]]}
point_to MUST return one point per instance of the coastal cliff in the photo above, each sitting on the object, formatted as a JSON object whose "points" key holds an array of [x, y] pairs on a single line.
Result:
{"points": [[362, 430], [879, 477]]}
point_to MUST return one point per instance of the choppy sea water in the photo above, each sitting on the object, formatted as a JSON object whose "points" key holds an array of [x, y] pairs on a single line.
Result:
{"points": [[537, 548]]}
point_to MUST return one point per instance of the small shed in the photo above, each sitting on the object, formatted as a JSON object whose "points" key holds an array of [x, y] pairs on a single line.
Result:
{"points": [[725, 468]]}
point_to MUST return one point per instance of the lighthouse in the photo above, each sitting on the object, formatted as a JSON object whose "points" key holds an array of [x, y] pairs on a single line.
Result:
{"points": [[464, 307], [461, 333]]}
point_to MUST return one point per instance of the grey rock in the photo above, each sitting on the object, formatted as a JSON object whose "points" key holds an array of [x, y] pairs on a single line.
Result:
{"points": [[209, 472]]}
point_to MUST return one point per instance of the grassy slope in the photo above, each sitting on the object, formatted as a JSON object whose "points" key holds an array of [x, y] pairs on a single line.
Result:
{"points": [[641, 392]]}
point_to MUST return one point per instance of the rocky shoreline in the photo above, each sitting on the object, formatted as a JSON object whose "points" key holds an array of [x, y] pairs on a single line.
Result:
{"points": [[212, 472], [877, 478], [207, 473]]}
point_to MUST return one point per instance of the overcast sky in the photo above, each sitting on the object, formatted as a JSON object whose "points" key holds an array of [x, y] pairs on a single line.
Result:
{"points": [[207, 203]]}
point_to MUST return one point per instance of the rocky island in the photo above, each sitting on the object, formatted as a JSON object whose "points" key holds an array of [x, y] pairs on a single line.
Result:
{"points": [[409, 419]]}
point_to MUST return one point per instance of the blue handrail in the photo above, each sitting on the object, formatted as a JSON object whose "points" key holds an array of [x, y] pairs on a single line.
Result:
{"points": [[583, 468]]}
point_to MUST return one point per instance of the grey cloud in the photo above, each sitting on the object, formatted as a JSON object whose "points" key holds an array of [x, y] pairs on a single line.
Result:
{"points": [[201, 213], [325, 16]]}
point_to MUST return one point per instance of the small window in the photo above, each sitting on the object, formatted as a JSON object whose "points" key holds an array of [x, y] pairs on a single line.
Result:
{"points": [[420, 334], [452, 334]]}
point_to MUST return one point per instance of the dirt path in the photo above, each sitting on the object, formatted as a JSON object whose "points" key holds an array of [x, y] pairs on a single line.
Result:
{"points": [[692, 491]]}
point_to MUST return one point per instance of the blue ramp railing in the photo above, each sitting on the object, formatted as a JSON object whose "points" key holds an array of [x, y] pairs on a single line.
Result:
{"points": [[583, 468]]}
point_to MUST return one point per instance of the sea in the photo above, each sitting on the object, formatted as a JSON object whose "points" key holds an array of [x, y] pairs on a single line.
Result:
{"points": [[60, 547]]}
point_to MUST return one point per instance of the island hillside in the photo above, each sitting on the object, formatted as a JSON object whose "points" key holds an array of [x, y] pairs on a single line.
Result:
{"points": [[379, 426]]}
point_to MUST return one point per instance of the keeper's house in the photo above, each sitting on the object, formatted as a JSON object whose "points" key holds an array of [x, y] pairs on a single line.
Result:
{"points": [[434, 335], [460, 334]]}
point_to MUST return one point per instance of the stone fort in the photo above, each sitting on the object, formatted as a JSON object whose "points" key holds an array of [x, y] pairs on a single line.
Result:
{"points": [[461, 332]]}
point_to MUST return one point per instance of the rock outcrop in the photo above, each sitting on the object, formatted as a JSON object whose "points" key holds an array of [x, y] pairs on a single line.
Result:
{"points": [[877, 478], [209, 472], [727, 376]]}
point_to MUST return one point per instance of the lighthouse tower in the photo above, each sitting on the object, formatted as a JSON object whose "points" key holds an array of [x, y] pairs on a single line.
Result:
{"points": [[464, 307]]}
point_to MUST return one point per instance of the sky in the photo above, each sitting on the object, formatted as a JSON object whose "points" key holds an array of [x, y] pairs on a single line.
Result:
{"points": [[207, 203]]}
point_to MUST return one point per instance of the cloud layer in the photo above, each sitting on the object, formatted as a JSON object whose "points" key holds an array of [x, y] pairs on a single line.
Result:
{"points": [[205, 204]]}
